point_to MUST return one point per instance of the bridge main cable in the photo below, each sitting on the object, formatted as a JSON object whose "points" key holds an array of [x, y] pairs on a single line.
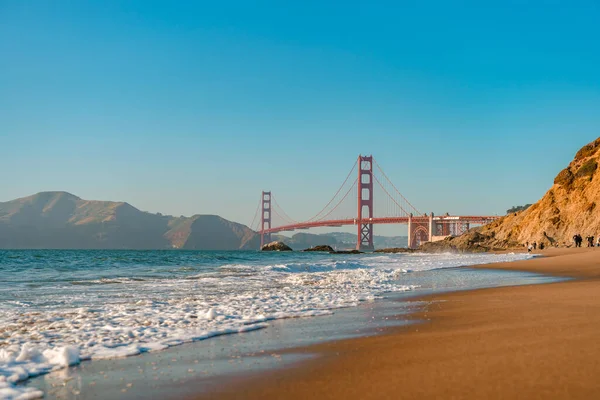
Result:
{"points": [[390, 196], [339, 202], [334, 196], [255, 217], [285, 216]]}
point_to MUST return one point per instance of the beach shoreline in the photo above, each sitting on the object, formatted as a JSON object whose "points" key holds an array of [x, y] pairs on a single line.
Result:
{"points": [[203, 366], [532, 341]]}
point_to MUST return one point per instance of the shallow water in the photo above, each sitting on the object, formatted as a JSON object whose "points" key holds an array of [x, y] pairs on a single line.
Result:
{"points": [[206, 365], [61, 307]]}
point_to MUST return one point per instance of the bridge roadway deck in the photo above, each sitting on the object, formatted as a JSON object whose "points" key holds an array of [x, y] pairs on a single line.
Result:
{"points": [[384, 220]]}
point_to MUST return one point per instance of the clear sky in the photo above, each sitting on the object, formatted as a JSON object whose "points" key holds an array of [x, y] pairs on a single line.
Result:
{"points": [[195, 107]]}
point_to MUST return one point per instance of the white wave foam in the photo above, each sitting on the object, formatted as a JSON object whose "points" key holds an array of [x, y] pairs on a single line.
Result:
{"points": [[152, 315]]}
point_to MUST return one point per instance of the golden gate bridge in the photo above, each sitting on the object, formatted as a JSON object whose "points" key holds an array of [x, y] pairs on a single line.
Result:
{"points": [[355, 203]]}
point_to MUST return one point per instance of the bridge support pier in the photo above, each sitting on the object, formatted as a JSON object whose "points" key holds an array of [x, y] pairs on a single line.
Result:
{"points": [[410, 244], [430, 227], [365, 203], [265, 219]]}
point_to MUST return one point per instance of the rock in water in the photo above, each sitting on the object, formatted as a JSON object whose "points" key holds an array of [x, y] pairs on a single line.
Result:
{"points": [[395, 250], [276, 246], [322, 247]]}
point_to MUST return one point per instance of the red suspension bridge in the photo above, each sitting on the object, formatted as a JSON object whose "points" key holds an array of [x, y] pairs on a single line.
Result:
{"points": [[355, 203]]}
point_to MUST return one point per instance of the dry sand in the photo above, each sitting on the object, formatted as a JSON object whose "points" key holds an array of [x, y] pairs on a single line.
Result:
{"points": [[525, 342]]}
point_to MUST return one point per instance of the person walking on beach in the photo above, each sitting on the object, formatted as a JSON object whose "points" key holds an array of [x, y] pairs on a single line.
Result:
{"points": [[535, 245], [598, 241]]}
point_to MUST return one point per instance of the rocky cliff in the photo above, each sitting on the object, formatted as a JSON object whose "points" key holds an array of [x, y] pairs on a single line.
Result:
{"points": [[571, 205], [61, 220]]}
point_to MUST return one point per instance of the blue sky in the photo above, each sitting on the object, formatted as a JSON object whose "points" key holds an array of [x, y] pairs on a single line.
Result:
{"points": [[195, 107]]}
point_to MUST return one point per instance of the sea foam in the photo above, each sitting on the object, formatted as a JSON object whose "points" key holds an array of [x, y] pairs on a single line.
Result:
{"points": [[127, 317]]}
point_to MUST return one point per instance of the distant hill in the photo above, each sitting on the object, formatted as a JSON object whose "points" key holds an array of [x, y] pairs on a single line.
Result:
{"points": [[380, 242], [303, 240], [338, 240], [60, 220]]}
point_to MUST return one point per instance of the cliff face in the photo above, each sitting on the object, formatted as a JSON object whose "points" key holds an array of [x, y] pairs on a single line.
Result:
{"points": [[64, 221], [571, 205]]}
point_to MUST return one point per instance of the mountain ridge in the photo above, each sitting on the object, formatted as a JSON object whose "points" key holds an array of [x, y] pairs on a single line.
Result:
{"points": [[61, 220]]}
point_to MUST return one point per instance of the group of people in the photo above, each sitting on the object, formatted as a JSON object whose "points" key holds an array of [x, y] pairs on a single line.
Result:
{"points": [[590, 240], [577, 239], [534, 246]]}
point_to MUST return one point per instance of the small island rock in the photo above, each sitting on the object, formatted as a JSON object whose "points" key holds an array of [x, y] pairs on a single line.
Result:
{"points": [[396, 250], [276, 246], [346, 252], [322, 247]]}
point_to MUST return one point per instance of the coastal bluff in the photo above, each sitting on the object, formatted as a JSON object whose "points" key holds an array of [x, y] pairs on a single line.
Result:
{"points": [[570, 206]]}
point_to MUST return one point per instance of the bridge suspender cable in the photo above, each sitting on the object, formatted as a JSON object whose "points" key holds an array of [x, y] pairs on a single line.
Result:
{"points": [[255, 216], [326, 211], [396, 189], [340, 202], [334, 196], [287, 221], [390, 196], [287, 218]]}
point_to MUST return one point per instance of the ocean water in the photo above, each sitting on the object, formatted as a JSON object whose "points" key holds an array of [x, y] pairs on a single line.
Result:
{"points": [[59, 308]]}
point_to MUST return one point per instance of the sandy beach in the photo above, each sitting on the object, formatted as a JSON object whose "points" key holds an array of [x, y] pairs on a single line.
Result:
{"points": [[529, 342]]}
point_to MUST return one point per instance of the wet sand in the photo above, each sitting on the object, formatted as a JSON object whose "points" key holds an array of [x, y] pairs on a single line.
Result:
{"points": [[524, 342]]}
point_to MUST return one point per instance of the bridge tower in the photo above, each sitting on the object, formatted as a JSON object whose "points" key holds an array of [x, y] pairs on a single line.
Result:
{"points": [[365, 203], [265, 219]]}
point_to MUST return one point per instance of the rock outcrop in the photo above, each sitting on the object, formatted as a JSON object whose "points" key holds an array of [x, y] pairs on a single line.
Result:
{"points": [[276, 246], [396, 250], [346, 252], [471, 242], [322, 247], [571, 205]]}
